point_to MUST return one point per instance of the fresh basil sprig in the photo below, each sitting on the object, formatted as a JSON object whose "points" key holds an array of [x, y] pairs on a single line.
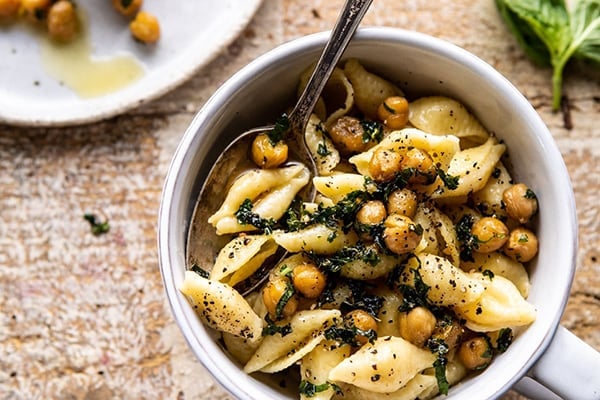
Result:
{"points": [[551, 34]]}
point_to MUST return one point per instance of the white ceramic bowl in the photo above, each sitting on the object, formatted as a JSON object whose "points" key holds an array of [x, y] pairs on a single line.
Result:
{"points": [[420, 65]]}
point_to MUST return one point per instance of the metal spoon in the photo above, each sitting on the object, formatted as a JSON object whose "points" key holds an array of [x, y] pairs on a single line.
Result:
{"points": [[229, 161]]}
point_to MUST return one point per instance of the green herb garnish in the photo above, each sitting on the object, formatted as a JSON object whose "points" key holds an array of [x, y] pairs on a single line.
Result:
{"points": [[200, 271], [245, 216], [468, 242], [530, 194], [488, 273], [98, 228], [551, 34], [283, 300], [505, 338], [282, 125], [450, 181], [372, 131], [440, 348], [309, 389], [272, 328]]}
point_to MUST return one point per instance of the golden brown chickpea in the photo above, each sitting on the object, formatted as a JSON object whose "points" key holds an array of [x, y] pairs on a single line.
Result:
{"points": [[522, 245], [400, 234], [491, 234], [422, 163], [384, 165], [364, 321], [521, 202], [347, 134], [403, 202], [449, 331], [370, 214], [35, 10], [127, 8], [475, 353], [309, 280], [393, 111], [417, 325], [62, 21], [9, 8], [145, 27], [272, 293], [265, 154]]}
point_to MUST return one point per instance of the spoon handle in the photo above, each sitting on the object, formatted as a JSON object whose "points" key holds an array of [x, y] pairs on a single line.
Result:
{"points": [[345, 26]]}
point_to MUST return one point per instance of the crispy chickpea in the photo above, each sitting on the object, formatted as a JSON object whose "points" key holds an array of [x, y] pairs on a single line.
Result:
{"points": [[393, 111], [266, 154], [475, 353], [9, 8], [309, 280], [145, 27], [402, 201], [62, 21], [421, 163], [384, 165], [364, 321], [522, 245], [370, 214], [521, 202], [449, 331], [35, 10], [127, 8], [347, 134], [417, 325], [491, 234], [272, 293], [400, 234]]}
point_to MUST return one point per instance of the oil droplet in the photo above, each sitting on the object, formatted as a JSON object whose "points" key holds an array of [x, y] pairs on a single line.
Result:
{"points": [[74, 65]]}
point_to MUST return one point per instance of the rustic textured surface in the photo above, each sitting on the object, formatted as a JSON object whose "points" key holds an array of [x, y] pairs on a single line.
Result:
{"points": [[85, 317]]}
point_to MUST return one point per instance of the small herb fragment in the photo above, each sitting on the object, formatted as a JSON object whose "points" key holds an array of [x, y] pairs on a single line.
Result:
{"points": [[97, 227], [440, 348], [245, 216], [373, 131], [282, 125], [202, 272], [283, 300], [309, 389], [467, 240], [450, 181], [505, 338], [488, 273], [272, 328]]}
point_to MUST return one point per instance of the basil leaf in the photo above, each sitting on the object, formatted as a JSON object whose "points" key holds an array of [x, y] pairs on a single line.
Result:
{"points": [[585, 22]]}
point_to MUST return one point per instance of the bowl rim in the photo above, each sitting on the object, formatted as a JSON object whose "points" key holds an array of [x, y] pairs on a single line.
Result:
{"points": [[181, 162]]}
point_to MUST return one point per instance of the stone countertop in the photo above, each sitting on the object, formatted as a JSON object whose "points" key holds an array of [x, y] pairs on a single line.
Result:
{"points": [[85, 317]]}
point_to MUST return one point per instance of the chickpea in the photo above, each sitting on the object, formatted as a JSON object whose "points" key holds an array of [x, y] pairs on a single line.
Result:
{"points": [[401, 235], [521, 202], [145, 27], [9, 8], [475, 353], [309, 280], [393, 111], [491, 234], [266, 154], [417, 325], [423, 165], [127, 8], [364, 321], [522, 245], [449, 331], [272, 293], [384, 165], [370, 214], [402, 201], [35, 10], [62, 21], [347, 134]]}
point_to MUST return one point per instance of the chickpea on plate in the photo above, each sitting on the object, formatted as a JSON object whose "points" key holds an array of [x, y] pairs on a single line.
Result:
{"points": [[62, 23]]}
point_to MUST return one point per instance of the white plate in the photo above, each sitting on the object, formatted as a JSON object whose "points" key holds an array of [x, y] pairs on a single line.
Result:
{"points": [[193, 32]]}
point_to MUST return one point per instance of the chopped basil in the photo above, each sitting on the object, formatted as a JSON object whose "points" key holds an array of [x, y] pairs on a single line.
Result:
{"points": [[488, 273], [505, 338], [372, 131], [333, 263], [440, 348], [245, 216], [97, 227], [309, 389], [322, 149], [530, 194], [347, 334], [468, 242], [272, 328], [282, 125], [283, 300], [450, 181], [414, 296], [200, 271]]}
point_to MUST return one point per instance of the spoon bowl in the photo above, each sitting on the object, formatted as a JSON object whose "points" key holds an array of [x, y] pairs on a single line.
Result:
{"points": [[235, 159]]}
